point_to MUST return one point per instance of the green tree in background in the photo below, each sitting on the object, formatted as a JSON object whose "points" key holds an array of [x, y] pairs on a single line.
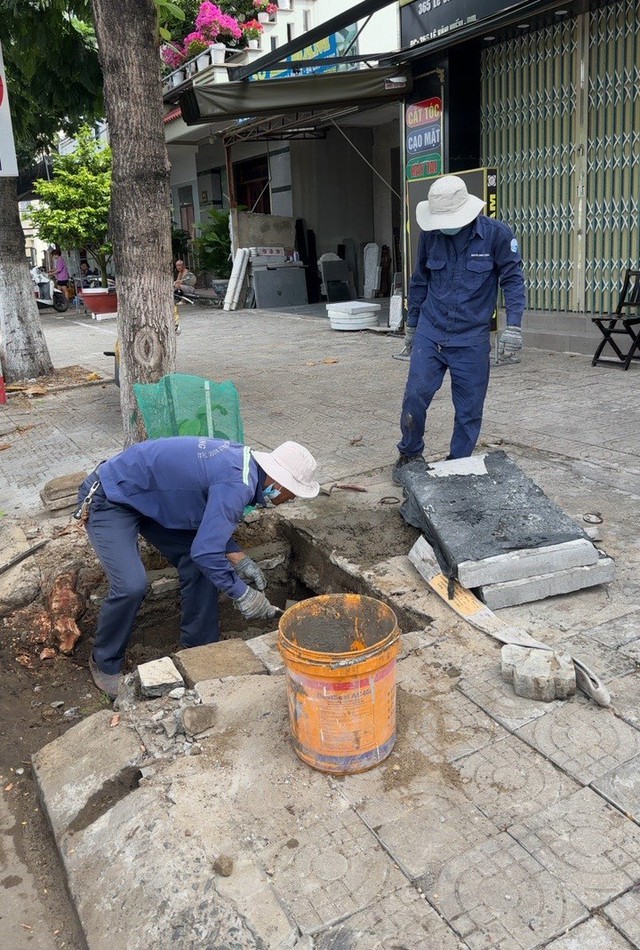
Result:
{"points": [[74, 209]]}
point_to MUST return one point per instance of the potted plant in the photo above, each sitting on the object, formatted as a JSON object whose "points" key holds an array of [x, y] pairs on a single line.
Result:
{"points": [[217, 29], [213, 248], [265, 10], [252, 30], [197, 48]]}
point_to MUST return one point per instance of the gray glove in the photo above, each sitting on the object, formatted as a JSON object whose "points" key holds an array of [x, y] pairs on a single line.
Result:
{"points": [[253, 605], [510, 345], [409, 333], [249, 572]]}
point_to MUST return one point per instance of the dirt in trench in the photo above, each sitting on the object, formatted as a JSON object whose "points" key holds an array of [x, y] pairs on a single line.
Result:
{"points": [[360, 535]]}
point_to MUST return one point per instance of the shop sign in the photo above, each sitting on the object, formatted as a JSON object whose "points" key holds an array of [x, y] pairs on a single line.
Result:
{"points": [[424, 20], [423, 138], [8, 162]]}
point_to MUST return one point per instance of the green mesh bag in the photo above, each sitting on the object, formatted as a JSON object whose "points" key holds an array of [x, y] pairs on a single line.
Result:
{"points": [[189, 405]]}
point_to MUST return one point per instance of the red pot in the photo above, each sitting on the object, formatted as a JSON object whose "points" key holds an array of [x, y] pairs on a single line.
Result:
{"points": [[100, 299]]}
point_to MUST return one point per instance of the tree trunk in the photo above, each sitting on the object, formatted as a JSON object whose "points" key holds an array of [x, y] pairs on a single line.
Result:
{"points": [[23, 351], [140, 208]]}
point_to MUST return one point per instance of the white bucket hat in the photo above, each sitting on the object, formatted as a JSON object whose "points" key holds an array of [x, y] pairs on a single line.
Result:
{"points": [[292, 466], [448, 205]]}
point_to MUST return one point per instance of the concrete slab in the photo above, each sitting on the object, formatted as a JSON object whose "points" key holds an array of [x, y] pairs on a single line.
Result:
{"points": [[621, 787], [507, 781], [587, 844], [517, 565], [403, 919], [624, 914], [511, 593], [498, 895], [216, 660], [86, 762], [490, 692], [159, 677], [594, 934], [585, 740]]}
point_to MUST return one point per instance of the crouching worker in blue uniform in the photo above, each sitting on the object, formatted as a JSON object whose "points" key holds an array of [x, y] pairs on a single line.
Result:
{"points": [[186, 496], [462, 258]]}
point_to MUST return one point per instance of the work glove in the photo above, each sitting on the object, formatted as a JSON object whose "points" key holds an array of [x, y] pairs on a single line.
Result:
{"points": [[409, 334], [510, 345], [253, 605], [249, 572]]}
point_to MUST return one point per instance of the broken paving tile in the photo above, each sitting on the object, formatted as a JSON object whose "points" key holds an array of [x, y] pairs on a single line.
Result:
{"points": [[498, 895], [583, 739], [332, 868], [266, 649], [594, 934], [508, 781], [621, 787], [490, 692], [604, 661], [159, 677], [403, 919], [586, 843], [199, 719], [624, 913]]}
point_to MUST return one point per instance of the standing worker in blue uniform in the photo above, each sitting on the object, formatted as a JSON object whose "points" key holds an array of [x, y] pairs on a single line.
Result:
{"points": [[186, 496], [462, 258]]}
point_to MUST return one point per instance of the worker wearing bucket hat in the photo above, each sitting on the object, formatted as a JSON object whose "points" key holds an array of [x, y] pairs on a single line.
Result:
{"points": [[463, 257], [185, 495]]}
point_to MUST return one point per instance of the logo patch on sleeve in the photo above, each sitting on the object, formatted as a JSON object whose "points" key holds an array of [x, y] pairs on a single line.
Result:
{"points": [[514, 246]]}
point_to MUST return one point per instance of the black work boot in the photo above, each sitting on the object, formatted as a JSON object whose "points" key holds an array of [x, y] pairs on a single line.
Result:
{"points": [[414, 461]]}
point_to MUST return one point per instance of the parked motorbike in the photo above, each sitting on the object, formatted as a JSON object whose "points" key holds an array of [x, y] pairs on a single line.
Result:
{"points": [[46, 293]]}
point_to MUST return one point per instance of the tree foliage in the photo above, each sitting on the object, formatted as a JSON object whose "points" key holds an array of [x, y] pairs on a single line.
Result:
{"points": [[74, 205]]}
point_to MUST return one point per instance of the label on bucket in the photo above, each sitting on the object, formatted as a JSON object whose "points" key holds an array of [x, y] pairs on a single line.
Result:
{"points": [[338, 722]]}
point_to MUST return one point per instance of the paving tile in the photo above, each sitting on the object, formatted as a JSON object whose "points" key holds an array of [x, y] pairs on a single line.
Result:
{"points": [[498, 896], [333, 868], [615, 632], [404, 919], [621, 787], [594, 934], [508, 781], [624, 913], [605, 661], [587, 844], [631, 650], [496, 697], [583, 739], [625, 698]]}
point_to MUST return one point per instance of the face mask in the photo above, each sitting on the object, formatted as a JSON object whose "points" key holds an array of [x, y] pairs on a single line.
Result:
{"points": [[450, 231], [271, 492]]}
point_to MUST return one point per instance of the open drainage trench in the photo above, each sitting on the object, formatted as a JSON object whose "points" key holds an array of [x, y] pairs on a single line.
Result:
{"points": [[296, 557]]}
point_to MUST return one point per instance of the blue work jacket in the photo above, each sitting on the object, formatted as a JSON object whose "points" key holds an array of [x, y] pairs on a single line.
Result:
{"points": [[190, 483], [454, 288]]}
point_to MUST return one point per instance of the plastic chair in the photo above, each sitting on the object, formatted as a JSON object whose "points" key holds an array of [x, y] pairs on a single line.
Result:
{"points": [[624, 322]]}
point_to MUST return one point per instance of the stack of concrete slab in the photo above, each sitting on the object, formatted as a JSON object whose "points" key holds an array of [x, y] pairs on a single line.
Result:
{"points": [[498, 533], [61, 493]]}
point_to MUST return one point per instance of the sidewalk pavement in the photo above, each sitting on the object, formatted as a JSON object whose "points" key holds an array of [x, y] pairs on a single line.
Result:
{"points": [[496, 822]]}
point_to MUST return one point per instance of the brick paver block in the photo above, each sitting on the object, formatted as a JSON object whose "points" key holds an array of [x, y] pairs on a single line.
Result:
{"points": [[587, 844], [489, 691], [216, 660], [403, 919], [624, 913], [541, 675], [508, 781], [498, 895], [583, 739]]}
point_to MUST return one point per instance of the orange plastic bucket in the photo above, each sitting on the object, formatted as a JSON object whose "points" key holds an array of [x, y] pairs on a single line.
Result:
{"points": [[340, 652]]}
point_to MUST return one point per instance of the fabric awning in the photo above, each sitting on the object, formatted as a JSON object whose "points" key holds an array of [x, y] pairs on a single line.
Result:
{"points": [[241, 100]]}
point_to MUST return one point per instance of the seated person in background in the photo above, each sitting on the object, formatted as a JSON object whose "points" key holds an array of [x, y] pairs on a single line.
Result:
{"points": [[185, 279], [87, 276]]}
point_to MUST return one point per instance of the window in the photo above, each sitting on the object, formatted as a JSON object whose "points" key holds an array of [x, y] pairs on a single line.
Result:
{"points": [[306, 21], [274, 43], [290, 32]]}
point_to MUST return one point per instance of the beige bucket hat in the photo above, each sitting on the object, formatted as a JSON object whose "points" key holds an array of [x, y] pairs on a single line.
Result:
{"points": [[448, 205], [292, 466]]}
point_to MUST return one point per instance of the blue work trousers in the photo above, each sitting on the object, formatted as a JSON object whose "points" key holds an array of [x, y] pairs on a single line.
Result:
{"points": [[113, 531], [469, 369]]}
